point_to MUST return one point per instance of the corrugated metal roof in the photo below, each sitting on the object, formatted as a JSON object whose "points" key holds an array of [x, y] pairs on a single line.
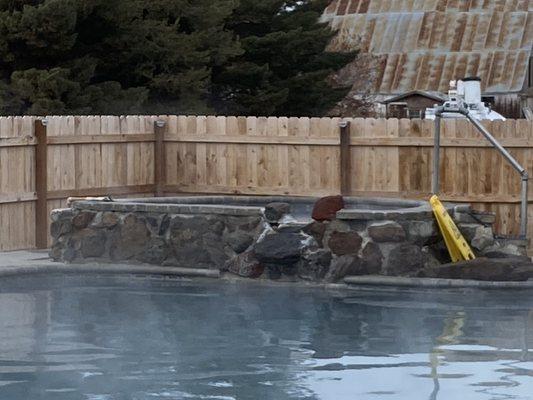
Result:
{"points": [[423, 44]]}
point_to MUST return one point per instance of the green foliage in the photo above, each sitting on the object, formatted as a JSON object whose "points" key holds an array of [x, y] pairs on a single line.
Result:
{"points": [[165, 56], [284, 68]]}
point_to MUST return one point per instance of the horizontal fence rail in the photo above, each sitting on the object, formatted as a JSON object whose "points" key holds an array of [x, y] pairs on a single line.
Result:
{"points": [[41, 165]]}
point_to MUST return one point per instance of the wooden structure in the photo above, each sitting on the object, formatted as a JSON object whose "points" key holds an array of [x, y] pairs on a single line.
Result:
{"points": [[407, 45], [412, 104], [41, 165]]}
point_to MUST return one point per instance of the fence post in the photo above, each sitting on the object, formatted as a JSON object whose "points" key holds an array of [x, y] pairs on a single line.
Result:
{"points": [[345, 158], [41, 186], [159, 158]]}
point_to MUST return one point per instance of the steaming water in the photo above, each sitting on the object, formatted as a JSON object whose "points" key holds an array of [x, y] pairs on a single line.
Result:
{"points": [[100, 339]]}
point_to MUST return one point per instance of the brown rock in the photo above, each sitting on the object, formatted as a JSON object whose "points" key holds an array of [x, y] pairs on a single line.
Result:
{"points": [[342, 243], [83, 219], [388, 232], [326, 208]]}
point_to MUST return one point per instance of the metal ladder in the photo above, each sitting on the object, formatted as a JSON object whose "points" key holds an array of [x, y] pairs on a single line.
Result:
{"points": [[515, 164]]}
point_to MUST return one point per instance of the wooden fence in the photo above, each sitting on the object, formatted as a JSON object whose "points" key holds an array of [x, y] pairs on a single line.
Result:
{"points": [[42, 165]]}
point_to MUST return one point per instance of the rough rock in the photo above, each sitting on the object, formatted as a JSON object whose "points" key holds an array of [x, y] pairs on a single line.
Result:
{"points": [[158, 224], [131, 239], [343, 243], [504, 251], [478, 236], [83, 219], [292, 227], [239, 241], [245, 265], [475, 217], [484, 269], [314, 265], [105, 220], [372, 258], [316, 230], [280, 248], [92, 244], [60, 227], [386, 232], [61, 214], [422, 232], [344, 266], [156, 252], [246, 224], [405, 259], [325, 209], [275, 211]]}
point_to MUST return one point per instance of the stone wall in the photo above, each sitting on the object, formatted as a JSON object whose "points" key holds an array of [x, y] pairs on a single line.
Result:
{"points": [[256, 242]]}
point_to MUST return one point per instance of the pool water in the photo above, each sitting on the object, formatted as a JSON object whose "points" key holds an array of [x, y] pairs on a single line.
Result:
{"points": [[110, 339]]}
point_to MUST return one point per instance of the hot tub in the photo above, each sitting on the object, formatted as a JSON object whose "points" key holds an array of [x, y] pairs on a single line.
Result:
{"points": [[233, 234], [356, 208]]}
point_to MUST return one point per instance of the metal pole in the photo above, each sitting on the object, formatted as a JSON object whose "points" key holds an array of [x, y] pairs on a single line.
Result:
{"points": [[524, 206], [436, 156], [516, 165], [495, 143]]}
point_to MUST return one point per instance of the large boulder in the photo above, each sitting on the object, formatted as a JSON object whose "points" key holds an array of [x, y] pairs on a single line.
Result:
{"points": [[280, 248], [326, 208], [484, 269]]}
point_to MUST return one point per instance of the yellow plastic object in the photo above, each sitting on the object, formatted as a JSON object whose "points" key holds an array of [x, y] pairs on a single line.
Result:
{"points": [[455, 242]]}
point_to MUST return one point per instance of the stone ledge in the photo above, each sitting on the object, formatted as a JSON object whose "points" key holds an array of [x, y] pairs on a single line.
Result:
{"points": [[377, 280], [168, 208], [104, 268]]}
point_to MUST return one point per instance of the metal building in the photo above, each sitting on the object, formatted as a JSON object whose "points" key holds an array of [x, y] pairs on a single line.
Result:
{"points": [[420, 45]]}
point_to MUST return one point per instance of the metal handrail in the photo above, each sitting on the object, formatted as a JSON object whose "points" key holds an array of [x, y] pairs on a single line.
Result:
{"points": [[515, 164]]}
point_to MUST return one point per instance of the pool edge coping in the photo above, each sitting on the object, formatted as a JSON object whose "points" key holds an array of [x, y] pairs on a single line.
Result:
{"points": [[435, 283]]}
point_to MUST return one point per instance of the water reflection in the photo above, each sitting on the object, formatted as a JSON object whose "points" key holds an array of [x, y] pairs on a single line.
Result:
{"points": [[73, 339]]}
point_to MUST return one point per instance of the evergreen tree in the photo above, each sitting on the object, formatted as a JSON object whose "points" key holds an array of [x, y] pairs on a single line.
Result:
{"points": [[284, 68], [119, 56]]}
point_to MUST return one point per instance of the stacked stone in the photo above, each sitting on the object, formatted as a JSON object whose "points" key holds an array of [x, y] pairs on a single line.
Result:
{"points": [[270, 244], [195, 241]]}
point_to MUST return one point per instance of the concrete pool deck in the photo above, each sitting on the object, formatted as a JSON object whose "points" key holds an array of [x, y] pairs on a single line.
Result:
{"points": [[35, 262], [32, 262]]}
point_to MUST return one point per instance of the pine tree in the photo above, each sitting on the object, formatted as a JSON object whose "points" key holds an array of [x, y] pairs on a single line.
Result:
{"points": [[119, 56], [284, 68]]}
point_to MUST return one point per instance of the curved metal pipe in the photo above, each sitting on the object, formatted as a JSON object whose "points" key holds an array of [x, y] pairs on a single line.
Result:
{"points": [[503, 151]]}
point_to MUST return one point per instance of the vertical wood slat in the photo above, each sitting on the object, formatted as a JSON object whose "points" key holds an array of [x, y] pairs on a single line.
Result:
{"points": [[345, 164], [159, 158], [41, 186]]}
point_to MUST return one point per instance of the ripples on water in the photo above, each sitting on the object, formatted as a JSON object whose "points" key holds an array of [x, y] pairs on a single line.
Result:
{"points": [[73, 339]]}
